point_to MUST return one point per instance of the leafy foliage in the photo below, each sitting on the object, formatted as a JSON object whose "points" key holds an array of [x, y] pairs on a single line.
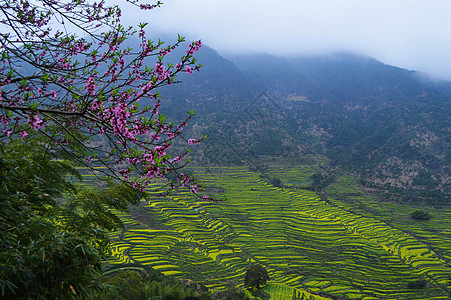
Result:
{"points": [[417, 284], [420, 215], [255, 277], [92, 100], [275, 181], [53, 233], [144, 283], [95, 97]]}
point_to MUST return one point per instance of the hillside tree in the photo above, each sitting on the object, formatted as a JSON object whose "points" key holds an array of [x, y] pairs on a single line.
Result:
{"points": [[90, 93], [256, 276], [69, 99]]}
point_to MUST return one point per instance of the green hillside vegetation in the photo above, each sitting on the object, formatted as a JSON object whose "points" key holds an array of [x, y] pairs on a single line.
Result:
{"points": [[375, 120], [54, 232], [142, 283], [343, 246], [435, 232], [325, 177]]}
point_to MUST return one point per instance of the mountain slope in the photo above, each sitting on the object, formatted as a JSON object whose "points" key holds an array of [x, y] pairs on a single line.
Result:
{"points": [[369, 118]]}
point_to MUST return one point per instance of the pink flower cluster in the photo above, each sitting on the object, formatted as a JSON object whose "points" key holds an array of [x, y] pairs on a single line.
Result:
{"points": [[35, 122], [120, 104], [194, 47], [90, 86], [161, 72]]}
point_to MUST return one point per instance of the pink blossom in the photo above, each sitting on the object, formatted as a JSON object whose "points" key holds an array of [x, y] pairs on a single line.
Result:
{"points": [[99, 92], [36, 122], [90, 86]]}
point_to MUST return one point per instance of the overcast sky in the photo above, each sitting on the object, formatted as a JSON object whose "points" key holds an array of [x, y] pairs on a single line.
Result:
{"points": [[412, 34]]}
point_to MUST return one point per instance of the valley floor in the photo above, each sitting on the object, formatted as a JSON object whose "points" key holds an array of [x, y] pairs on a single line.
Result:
{"points": [[347, 245]]}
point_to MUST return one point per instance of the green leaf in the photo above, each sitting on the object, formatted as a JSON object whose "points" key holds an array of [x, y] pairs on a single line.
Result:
{"points": [[45, 77], [162, 118]]}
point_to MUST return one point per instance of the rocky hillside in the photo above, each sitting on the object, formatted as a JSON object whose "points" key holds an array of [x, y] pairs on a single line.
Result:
{"points": [[389, 125]]}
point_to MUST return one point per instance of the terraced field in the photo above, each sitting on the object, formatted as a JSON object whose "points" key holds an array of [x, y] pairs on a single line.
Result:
{"points": [[299, 176], [306, 244], [435, 232]]}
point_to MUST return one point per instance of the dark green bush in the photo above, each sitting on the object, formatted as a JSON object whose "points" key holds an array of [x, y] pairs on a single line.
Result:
{"points": [[255, 277], [276, 182], [417, 284], [420, 215]]}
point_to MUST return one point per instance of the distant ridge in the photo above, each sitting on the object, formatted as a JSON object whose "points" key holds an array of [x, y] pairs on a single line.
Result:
{"points": [[384, 123]]}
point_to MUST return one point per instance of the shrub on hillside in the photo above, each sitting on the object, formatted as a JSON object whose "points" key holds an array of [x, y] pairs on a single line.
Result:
{"points": [[276, 182], [255, 277], [417, 284], [420, 215]]}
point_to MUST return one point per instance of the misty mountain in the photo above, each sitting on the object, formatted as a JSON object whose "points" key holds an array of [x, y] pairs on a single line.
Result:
{"points": [[384, 123]]}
